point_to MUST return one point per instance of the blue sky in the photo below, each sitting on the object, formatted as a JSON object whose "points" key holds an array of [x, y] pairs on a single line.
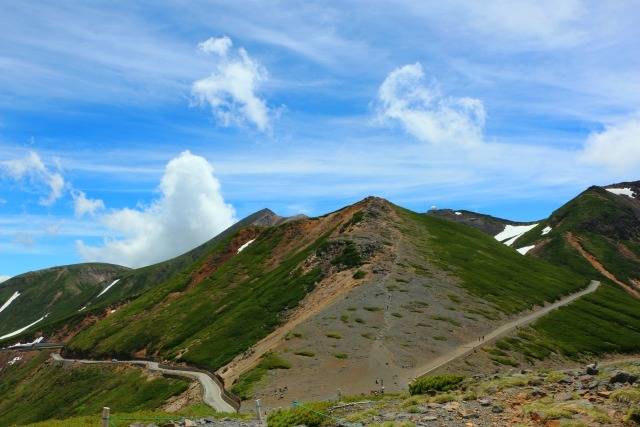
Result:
{"points": [[132, 131]]}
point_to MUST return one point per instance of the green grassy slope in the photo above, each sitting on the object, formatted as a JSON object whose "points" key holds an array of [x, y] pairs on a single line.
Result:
{"points": [[58, 291], [236, 305], [607, 321], [36, 391], [81, 284], [607, 227], [487, 268]]}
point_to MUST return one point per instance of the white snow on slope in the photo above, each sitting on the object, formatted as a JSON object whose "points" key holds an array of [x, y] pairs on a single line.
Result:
{"points": [[14, 360], [546, 230], [10, 300], [23, 329], [107, 288], [526, 249], [36, 341], [458, 213], [245, 245], [621, 191], [512, 232]]}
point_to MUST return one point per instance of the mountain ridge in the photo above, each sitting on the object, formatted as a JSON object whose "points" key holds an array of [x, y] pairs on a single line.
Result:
{"points": [[374, 289]]}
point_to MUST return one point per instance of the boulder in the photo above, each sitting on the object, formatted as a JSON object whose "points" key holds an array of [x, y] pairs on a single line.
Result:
{"points": [[620, 377], [592, 369]]}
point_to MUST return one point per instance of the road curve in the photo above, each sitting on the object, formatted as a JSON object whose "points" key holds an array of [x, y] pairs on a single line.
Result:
{"points": [[465, 349], [211, 393]]}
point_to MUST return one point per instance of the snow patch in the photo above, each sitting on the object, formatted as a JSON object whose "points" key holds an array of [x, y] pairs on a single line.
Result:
{"points": [[36, 341], [83, 308], [15, 295], [621, 191], [512, 232], [19, 331], [458, 213], [245, 245], [108, 287], [526, 249], [14, 360], [546, 230]]}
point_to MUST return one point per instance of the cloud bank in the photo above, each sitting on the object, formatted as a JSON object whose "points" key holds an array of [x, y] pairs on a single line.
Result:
{"points": [[32, 173], [189, 211], [423, 112], [230, 91], [617, 148], [4, 278]]}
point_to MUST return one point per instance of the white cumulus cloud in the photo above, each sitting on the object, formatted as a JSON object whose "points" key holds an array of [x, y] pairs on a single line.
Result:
{"points": [[617, 147], [218, 46], [4, 278], [83, 206], [189, 211], [230, 90], [423, 112], [31, 171]]}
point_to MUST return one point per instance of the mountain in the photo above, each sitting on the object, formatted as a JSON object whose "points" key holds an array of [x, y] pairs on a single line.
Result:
{"points": [[373, 291], [54, 293], [369, 285], [69, 297]]}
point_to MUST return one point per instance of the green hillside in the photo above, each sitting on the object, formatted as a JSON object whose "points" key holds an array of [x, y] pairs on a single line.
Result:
{"points": [[246, 296], [36, 391], [62, 291], [55, 291], [487, 268], [240, 302], [606, 225]]}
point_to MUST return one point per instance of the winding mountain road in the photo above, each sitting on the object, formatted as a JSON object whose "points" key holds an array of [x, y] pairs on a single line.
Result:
{"points": [[211, 393], [465, 349]]}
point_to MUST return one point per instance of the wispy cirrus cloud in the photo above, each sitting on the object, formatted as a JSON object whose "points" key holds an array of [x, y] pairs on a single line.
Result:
{"points": [[425, 113], [231, 90]]}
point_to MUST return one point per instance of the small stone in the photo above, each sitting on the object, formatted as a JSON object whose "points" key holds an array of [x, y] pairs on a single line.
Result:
{"points": [[536, 392], [565, 380], [562, 397], [497, 409], [484, 402], [430, 418], [189, 423], [539, 416]]}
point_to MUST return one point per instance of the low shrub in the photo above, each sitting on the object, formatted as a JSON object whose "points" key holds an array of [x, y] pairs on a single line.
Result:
{"points": [[435, 382], [300, 416]]}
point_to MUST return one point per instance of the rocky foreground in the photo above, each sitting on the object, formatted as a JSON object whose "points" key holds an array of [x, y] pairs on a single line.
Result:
{"points": [[586, 397]]}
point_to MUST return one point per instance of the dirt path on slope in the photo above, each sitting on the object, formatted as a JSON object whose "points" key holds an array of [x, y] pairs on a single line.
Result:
{"points": [[594, 262], [465, 349], [211, 393]]}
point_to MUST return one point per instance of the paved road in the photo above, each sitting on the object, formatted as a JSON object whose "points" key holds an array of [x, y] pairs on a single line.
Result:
{"points": [[211, 395], [465, 349]]}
